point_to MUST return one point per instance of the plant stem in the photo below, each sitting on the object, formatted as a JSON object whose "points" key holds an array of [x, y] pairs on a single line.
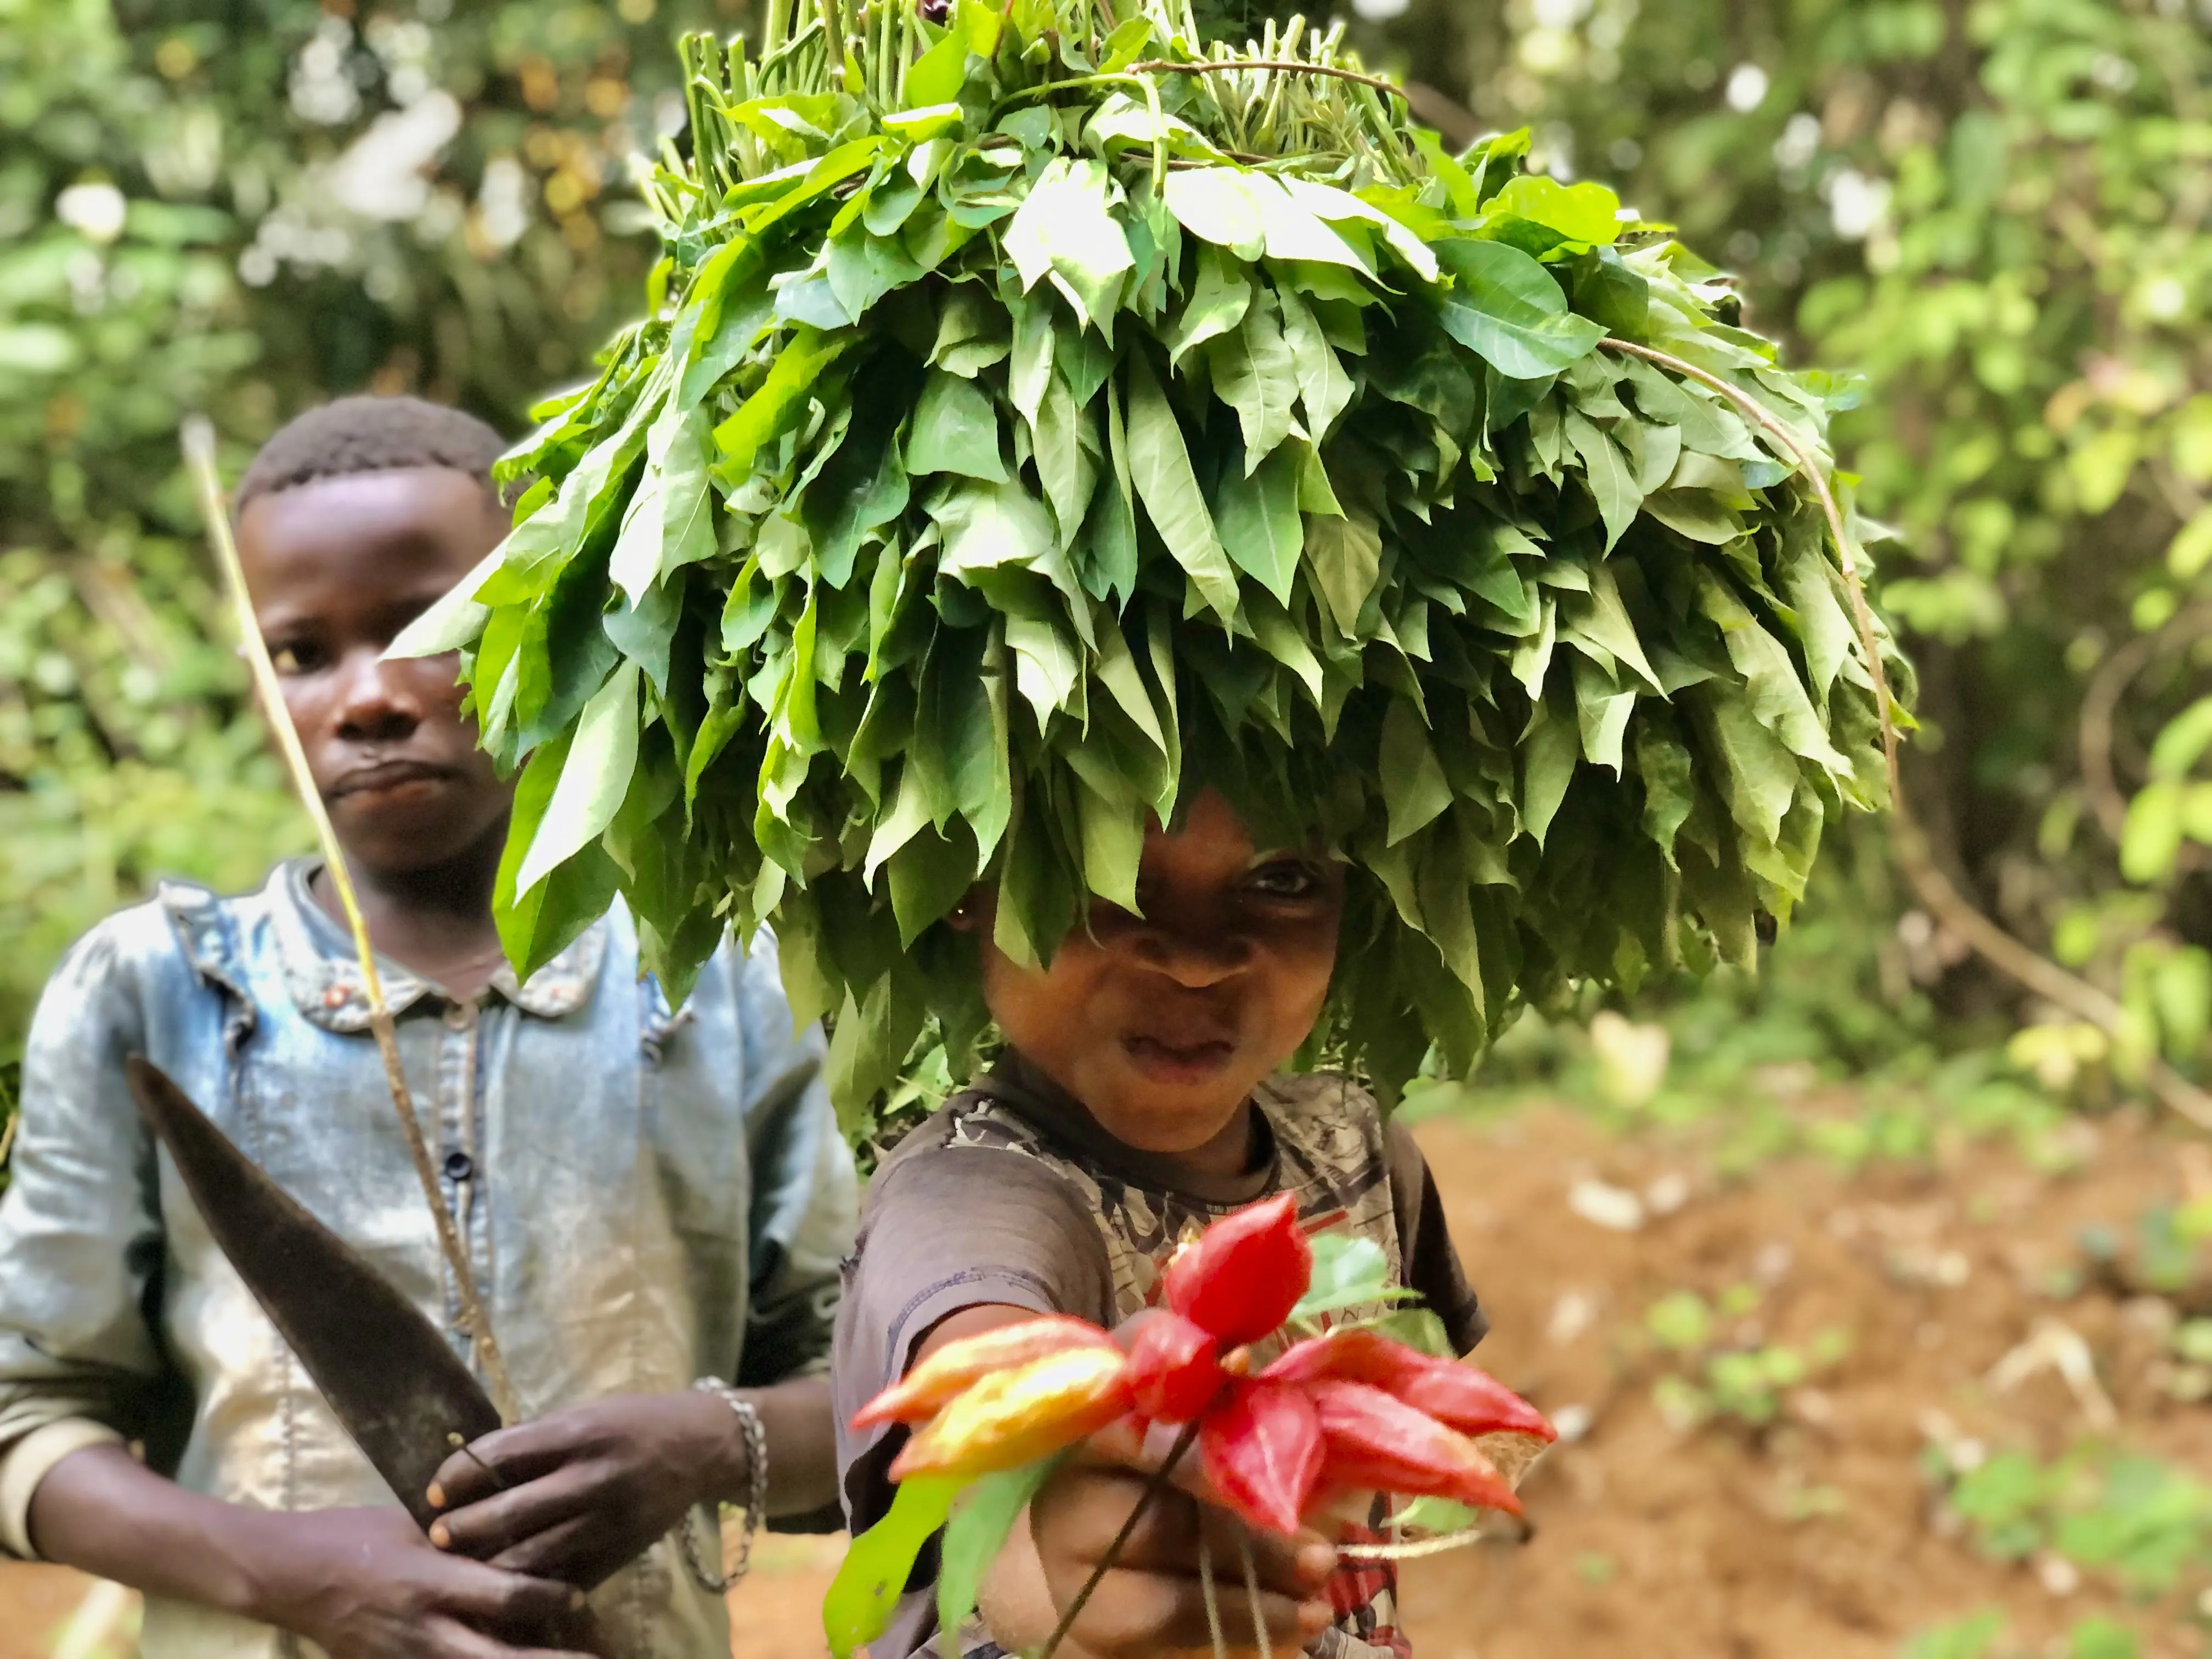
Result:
{"points": [[1165, 66], [1153, 1487], [199, 456]]}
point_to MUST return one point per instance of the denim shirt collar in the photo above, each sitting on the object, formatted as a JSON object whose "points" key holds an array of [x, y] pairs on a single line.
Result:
{"points": [[323, 975]]}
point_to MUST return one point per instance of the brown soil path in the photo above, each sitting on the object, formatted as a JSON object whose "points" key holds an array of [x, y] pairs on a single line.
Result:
{"points": [[1817, 1539]]}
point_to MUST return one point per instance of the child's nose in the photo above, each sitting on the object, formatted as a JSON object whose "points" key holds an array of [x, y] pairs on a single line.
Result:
{"points": [[375, 704], [1195, 956]]}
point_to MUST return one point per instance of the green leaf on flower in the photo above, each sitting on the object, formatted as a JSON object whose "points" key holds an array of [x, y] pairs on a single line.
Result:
{"points": [[1349, 1271], [980, 1524], [865, 1593]]}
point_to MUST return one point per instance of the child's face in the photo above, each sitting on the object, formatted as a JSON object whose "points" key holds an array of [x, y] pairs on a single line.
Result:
{"points": [[1161, 1025], [337, 568]]}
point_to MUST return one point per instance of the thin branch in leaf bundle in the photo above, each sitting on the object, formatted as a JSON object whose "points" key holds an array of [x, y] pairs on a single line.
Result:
{"points": [[1287, 66], [199, 455], [1936, 889]]}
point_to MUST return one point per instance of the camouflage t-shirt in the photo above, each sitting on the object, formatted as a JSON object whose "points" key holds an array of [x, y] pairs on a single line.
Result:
{"points": [[1013, 1194]]}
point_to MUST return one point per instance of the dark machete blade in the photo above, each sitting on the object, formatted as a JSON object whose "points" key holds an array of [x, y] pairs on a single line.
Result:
{"points": [[389, 1373]]}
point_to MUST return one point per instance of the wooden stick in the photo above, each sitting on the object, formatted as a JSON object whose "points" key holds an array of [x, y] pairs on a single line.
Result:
{"points": [[1936, 889], [199, 455]]}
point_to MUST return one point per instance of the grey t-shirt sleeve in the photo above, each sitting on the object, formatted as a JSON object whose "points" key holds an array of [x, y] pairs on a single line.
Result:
{"points": [[1431, 1265], [946, 1228]]}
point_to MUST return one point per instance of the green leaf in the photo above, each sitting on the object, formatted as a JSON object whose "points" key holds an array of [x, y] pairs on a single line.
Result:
{"points": [[537, 924], [1323, 385], [1418, 1328], [1159, 464], [593, 780], [1216, 205], [1607, 470], [782, 398], [1257, 514], [1064, 464], [1066, 228], [1585, 212], [1504, 307], [1219, 299], [1113, 838], [1344, 556], [1253, 374], [865, 1593], [863, 268], [993, 527], [1333, 206], [1349, 1271], [954, 736], [1548, 749], [1434, 1517], [955, 430], [937, 76], [978, 1531], [1415, 788], [1776, 696]]}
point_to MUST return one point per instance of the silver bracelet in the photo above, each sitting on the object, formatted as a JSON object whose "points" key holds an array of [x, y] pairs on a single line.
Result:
{"points": [[709, 1579]]}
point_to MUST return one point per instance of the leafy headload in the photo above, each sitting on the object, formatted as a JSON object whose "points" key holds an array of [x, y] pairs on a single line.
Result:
{"points": [[1038, 410]]}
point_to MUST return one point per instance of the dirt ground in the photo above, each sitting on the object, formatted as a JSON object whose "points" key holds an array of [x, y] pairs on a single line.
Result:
{"points": [[1817, 1538]]}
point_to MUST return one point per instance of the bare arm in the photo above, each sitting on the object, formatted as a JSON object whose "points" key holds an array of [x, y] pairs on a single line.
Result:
{"points": [[360, 1583]]}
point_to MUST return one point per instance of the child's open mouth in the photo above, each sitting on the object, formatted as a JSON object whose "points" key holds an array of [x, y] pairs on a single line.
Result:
{"points": [[1171, 1062]]}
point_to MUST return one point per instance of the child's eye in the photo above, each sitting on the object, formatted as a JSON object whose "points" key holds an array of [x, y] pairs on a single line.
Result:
{"points": [[294, 657], [1286, 878]]}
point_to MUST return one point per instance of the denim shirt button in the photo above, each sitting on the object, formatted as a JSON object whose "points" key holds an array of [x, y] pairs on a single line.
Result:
{"points": [[459, 1166], [461, 1016]]}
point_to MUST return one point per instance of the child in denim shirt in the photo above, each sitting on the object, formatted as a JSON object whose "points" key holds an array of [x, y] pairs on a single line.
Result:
{"points": [[648, 1195]]}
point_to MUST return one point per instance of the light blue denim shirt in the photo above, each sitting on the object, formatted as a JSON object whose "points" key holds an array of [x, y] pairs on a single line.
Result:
{"points": [[639, 1210]]}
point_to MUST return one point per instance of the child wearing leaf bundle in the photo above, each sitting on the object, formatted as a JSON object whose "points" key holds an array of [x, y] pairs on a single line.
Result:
{"points": [[1304, 589], [1139, 1097]]}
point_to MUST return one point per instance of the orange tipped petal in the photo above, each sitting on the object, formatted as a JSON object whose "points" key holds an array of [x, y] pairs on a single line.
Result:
{"points": [[959, 1366], [1014, 1417]]}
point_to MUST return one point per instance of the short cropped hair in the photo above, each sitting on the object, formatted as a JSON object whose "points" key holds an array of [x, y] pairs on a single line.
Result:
{"points": [[355, 436]]}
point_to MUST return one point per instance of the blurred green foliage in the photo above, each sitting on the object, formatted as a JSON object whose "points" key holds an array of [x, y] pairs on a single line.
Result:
{"points": [[244, 209], [1998, 211], [1996, 208], [2141, 1524]]}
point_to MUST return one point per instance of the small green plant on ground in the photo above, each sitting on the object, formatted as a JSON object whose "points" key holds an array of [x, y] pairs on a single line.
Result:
{"points": [[1978, 1637], [1720, 1381], [2140, 1522]]}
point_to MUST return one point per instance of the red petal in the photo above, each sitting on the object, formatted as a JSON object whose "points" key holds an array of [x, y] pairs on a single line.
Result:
{"points": [[1173, 1369], [1245, 1273], [1262, 1448], [1469, 1399], [1378, 1442]]}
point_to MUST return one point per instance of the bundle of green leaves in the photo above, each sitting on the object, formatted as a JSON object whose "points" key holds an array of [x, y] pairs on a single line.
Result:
{"points": [[1040, 416]]}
